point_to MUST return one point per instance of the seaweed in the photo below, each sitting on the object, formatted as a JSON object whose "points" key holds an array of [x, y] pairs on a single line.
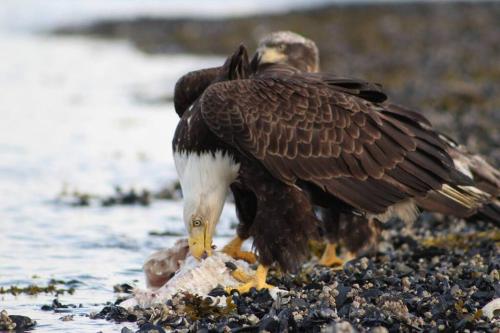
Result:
{"points": [[196, 307], [33, 289]]}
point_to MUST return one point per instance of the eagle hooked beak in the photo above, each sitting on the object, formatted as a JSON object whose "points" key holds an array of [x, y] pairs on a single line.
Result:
{"points": [[200, 238], [271, 55]]}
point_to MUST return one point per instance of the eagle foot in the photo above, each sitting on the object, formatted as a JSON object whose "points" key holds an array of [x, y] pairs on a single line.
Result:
{"points": [[330, 258], [257, 281], [233, 249]]}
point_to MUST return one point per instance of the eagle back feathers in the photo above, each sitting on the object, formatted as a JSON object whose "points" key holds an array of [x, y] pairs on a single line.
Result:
{"points": [[300, 127]]}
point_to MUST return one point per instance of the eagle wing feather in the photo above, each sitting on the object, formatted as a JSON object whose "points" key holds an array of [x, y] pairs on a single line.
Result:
{"points": [[190, 86], [301, 128]]}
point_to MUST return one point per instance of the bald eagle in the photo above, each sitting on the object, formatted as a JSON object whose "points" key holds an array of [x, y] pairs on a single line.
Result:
{"points": [[285, 140], [356, 232]]}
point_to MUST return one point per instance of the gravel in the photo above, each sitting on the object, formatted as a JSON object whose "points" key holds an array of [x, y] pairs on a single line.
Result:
{"points": [[419, 282]]}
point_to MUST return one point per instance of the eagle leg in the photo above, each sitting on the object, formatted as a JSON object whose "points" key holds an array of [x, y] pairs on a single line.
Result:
{"points": [[233, 249], [258, 281], [330, 257]]}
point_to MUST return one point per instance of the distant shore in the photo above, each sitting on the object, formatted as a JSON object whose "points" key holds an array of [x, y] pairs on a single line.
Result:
{"points": [[441, 58]]}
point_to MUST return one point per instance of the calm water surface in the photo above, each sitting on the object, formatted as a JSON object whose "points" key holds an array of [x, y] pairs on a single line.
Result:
{"points": [[79, 114]]}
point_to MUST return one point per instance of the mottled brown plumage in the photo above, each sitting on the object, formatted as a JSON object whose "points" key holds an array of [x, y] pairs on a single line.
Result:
{"points": [[298, 127], [190, 86], [341, 225]]}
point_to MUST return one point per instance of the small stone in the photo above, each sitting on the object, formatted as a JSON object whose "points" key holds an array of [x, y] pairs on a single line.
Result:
{"points": [[363, 263], [405, 282], [253, 319], [326, 313], [216, 292], [379, 329], [297, 316], [455, 290], [403, 269], [340, 327]]}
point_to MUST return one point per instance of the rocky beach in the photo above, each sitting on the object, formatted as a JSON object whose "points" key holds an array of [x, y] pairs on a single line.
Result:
{"points": [[99, 193], [440, 59]]}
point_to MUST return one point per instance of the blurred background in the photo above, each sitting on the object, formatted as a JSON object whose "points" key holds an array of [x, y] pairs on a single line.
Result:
{"points": [[87, 183]]}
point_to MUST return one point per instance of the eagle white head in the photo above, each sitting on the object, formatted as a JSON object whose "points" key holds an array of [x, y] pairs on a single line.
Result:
{"points": [[205, 178]]}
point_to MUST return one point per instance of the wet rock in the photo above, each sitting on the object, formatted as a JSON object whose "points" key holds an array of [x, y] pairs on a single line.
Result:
{"points": [[219, 291], [22, 322], [57, 306], [343, 290], [269, 323], [126, 330], [114, 313], [123, 288], [6, 323], [15, 322], [150, 328]]}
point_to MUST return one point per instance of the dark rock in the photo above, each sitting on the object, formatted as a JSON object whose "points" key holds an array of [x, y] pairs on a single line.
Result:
{"points": [[123, 288], [371, 293], [483, 295], [298, 303], [342, 296], [150, 328], [58, 307], [269, 323], [23, 322], [115, 313], [286, 321], [219, 291]]}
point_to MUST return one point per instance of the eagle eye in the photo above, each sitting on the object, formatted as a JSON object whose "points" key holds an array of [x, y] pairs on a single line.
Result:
{"points": [[196, 222]]}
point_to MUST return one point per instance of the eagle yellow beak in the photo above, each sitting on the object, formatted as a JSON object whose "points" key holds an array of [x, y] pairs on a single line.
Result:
{"points": [[270, 55], [200, 239]]}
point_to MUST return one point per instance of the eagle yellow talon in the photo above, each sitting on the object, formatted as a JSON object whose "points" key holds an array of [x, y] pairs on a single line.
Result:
{"points": [[258, 281], [330, 258], [233, 249]]}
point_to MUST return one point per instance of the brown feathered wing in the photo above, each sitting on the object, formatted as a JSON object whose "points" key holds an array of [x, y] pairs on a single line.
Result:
{"points": [[300, 128]]}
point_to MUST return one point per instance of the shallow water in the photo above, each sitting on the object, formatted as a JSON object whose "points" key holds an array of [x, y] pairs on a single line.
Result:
{"points": [[80, 114]]}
